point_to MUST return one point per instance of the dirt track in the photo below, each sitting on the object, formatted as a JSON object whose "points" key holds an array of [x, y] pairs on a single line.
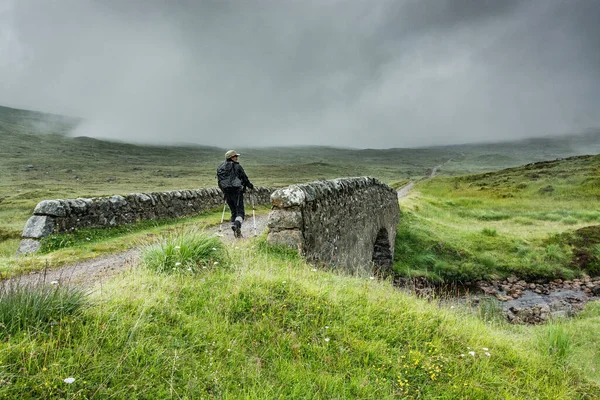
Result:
{"points": [[91, 272]]}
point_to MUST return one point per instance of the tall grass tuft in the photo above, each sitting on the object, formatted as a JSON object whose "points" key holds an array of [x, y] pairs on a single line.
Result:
{"points": [[36, 306], [191, 251], [556, 341]]}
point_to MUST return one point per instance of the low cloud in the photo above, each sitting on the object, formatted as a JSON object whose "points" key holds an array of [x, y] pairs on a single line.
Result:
{"points": [[343, 73]]}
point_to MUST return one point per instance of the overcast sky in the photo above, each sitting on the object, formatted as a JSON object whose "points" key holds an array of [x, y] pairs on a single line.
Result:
{"points": [[351, 73]]}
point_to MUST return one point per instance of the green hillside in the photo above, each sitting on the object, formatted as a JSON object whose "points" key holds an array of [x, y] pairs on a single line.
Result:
{"points": [[27, 122], [253, 321], [521, 221]]}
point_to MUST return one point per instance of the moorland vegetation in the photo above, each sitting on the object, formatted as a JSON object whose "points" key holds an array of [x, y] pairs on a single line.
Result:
{"points": [[200, 318]]}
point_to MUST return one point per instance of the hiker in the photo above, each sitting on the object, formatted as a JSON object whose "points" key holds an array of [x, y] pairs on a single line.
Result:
{"points": [[233, 181]]}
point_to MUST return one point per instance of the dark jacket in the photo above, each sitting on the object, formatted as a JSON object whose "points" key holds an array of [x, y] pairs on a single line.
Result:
{"points": [[240, 174]]}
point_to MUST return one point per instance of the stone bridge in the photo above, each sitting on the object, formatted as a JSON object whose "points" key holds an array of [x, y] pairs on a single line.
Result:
{"points": [[348, 223], [58, 216]]}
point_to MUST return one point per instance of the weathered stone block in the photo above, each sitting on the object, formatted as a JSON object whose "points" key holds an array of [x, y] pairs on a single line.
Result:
{"points": [[50, 207], [288, 197], [39, 226], [28, 246], [284, 219], [79, 206], [117, 201], [291, 238]]}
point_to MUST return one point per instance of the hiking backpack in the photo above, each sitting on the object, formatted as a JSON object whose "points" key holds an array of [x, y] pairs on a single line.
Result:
{"points": [[227, 177]]}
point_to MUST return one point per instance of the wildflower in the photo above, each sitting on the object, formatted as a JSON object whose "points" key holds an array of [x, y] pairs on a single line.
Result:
{"points": [[69, 380], [472, 353], [177, 247], [177, 264], [487, 354], [327, 339], [214, 249], [372, 278], [283, 282], [314, 270], [189, 269], [215, 263], [54, 283], [485, 348], [326, 326]]}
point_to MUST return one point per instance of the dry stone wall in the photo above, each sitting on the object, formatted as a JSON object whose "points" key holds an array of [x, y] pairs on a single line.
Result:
{"points": [[56, 216], [349, 223]]}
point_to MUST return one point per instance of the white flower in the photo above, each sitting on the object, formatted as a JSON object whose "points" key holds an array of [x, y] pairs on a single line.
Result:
{"points": [[215, 263], [214, 248], [54, 283], [451, 307], [283, 282], [487, 354], [177, 264], [314, 270], [204, 267], [69, 380], [462, 355], [189, 269], [485, 348], [472, 353], [177, 247], [326, 327], [372, 278], [327, 339]]}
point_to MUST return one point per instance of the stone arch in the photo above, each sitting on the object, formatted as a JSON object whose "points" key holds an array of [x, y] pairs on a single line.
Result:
{"points": [[382, 252], [346, 222]]}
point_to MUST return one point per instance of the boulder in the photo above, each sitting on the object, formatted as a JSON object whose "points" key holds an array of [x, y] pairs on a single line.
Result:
{"points": [[54, 208], [28, 246], [39, 226], [284, 219]]}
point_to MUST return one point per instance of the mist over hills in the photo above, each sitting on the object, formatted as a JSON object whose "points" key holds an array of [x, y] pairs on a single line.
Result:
{"points": [[16, 123]]}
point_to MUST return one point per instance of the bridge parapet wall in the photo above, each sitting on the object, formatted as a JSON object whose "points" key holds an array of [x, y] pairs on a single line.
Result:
{"points": [[348, 223], [57, 216]]}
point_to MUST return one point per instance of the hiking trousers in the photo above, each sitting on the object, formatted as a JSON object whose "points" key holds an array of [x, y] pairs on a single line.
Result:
{"points": [[235, 201]]}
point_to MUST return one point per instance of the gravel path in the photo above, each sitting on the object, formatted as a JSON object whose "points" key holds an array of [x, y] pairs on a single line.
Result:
{"points": [[89, 273]]}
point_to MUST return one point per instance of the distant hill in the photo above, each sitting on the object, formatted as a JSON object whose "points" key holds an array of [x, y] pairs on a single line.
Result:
{"points": [[25, 131], [26, 122]]}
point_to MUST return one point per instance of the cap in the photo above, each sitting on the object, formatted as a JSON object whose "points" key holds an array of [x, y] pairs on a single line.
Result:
{"points": [[231, 153]]}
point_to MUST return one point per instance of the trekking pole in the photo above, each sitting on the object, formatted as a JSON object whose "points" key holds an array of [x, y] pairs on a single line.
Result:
{"points": [[222, 218], [253, 215]]}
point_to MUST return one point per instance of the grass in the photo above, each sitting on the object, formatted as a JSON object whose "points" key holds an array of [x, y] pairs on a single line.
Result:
{"points": [[467, 228], [258, 322], [34, 308], [270, 326], [185, 251]]}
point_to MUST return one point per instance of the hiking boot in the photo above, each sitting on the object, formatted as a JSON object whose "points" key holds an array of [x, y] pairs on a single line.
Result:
{"points": [[237, 232]]}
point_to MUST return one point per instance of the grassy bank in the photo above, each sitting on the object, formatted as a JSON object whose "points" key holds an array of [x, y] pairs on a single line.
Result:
{"points": [[266, 325], [533, 221]]}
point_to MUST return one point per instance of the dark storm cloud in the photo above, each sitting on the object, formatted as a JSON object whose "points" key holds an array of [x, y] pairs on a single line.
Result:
{"points": [[387, 73]]}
